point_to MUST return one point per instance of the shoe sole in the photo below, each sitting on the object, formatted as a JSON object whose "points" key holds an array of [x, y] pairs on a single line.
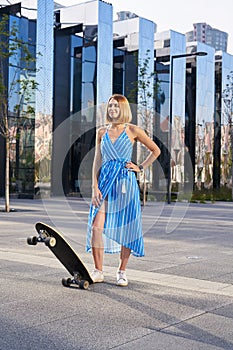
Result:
{"points": [[122, 284], [98, 281]]}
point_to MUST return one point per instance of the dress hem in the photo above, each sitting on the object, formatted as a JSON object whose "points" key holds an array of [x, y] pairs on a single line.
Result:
{"points": [[88, 250]]}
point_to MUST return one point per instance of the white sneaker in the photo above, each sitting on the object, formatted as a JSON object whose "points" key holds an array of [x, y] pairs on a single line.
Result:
{"points": [[97, 276], [122, 280]]}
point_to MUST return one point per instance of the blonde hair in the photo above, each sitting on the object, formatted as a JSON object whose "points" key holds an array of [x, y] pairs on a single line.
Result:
{"points": [[125, 111]]}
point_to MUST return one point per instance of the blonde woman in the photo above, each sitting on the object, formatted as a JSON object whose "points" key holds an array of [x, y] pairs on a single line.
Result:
{"points": [[114, 223]]}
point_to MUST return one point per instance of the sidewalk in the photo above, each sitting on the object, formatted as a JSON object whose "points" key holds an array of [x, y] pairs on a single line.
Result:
{"points": [[180, 295]]}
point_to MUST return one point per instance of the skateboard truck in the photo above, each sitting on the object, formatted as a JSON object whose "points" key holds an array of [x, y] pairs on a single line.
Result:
{"points": [[43, 237], [77, 279]]}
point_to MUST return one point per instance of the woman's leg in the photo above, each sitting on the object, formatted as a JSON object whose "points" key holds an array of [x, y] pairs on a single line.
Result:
{"points": [[122, 280], [124, 258], [97, 239]]}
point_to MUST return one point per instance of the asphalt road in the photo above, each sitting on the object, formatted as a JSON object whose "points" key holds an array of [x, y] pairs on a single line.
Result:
{"points": [[180, 295]]}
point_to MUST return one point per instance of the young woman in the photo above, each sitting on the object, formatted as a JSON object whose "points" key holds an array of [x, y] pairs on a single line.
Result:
{"points": [[114, 223]]}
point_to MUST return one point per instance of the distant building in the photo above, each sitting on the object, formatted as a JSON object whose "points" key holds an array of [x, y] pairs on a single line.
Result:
{"points": [[123, 15], [204, 33]]}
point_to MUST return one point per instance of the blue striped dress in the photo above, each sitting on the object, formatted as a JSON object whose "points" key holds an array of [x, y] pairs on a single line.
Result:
{"points": [[118, 185]]}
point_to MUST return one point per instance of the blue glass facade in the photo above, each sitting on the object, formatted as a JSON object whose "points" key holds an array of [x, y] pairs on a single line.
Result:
{"points": [[87, 79], [168, 44], [84, 59], [200, 113], [146, 52], [104, 61], [44, 97], [177, 47], [226, 120], [21, 123]]}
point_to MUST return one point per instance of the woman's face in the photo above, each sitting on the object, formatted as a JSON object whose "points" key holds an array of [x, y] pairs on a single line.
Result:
{"points": [[114, 110]]}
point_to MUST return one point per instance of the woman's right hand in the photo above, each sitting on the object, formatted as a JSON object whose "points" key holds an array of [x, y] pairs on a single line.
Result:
{"points": [[96, 197]]}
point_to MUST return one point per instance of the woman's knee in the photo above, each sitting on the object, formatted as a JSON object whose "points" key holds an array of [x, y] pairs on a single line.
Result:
{"points": [[96, 237], [99, 219]]}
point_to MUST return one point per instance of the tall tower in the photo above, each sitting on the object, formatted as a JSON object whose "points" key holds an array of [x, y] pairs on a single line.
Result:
{"points": [[204, 33]]}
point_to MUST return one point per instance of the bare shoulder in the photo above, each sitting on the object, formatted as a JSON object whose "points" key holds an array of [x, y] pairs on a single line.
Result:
{"points": [[100, 132], [135, 130]]}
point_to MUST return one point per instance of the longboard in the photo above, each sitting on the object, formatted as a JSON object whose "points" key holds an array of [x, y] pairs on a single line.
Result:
{"points": [[64, 253]]}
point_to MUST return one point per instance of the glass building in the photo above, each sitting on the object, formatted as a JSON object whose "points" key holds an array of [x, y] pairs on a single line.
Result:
{"points": [[134, 60], [84, 57], [169, 115], [83, 62], [222, 172], [19, 72], [44, 97], [200, 114]]}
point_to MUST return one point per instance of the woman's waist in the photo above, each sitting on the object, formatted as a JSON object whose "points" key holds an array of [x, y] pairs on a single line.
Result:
{"points": [[116, 167], [115, 161]]}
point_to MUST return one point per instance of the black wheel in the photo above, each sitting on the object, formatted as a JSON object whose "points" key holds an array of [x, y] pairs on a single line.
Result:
{"points": [[32, 240], [84, 284], [66, 282], [50, 242]]}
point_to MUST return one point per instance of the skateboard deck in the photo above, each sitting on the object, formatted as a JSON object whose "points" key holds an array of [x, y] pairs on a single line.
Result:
{"points": [[64, 253]]}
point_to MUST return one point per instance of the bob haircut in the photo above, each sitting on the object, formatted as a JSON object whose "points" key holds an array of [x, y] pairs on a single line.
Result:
{"points": [[125, 111]]}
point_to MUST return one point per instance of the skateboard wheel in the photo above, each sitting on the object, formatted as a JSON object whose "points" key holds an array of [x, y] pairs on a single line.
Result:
{"points": [[66, 282], [50, 241], [32, 240], [84, 284]]}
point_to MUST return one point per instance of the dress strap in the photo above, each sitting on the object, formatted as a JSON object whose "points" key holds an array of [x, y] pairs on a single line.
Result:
{"points": [[107, 128]]}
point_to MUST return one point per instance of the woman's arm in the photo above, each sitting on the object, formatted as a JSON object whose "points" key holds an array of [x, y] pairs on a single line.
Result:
{"points": [[96, 194], [140, 135]]}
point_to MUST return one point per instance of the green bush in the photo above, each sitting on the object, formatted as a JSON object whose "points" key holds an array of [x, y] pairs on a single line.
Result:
{"points": [[203, 195]]}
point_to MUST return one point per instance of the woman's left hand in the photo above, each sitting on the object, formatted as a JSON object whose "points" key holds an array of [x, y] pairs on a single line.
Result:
{"points": [[132, 167]]}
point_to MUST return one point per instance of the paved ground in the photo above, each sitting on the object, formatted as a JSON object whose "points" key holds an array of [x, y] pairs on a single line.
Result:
{"points": [[180, 295]]}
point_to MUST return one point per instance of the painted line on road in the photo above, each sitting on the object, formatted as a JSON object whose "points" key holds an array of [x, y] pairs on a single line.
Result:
{"points": [[186, 283], [166, 280]]}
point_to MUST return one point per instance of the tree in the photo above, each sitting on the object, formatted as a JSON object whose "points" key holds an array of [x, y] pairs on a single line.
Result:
{"points": [[19, 87], [227, 95]]}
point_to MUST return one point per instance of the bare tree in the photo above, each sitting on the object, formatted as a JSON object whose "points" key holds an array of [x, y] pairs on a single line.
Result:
{"points": [[20, 87]]}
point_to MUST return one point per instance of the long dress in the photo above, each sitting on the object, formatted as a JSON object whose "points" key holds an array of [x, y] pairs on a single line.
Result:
{"points": [[119, 188]]}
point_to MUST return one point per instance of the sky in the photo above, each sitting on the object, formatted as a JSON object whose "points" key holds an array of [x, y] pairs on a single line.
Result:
{"points": [[178, 15]]}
